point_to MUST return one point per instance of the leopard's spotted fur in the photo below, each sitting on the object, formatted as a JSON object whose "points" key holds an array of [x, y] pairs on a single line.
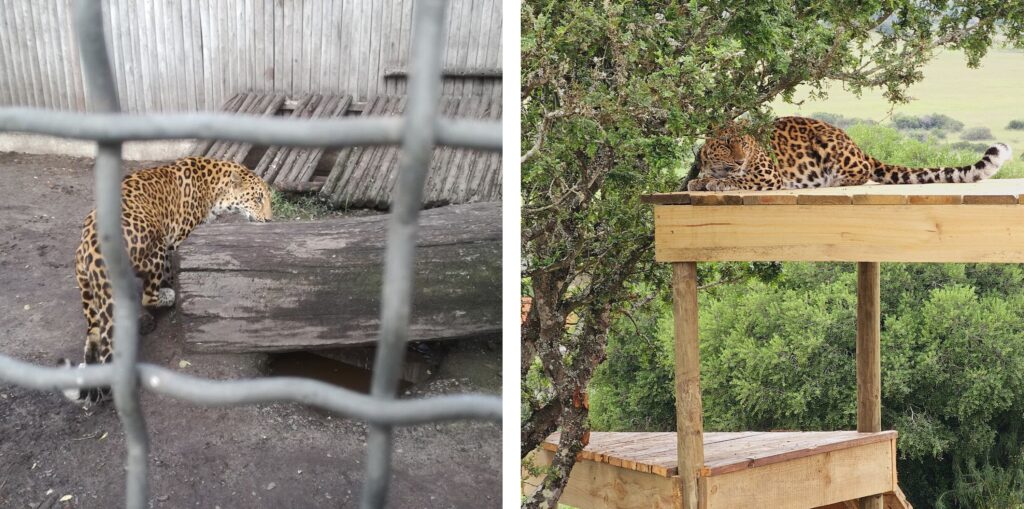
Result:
{"points": [[811, 153], [160, 208]]}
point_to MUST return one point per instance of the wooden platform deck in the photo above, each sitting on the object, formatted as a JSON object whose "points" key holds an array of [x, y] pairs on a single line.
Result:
{"points": [[741, 469], [977, 222]]}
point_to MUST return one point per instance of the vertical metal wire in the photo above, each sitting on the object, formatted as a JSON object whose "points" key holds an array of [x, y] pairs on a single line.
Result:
{"points": [[418, 139], [102, 97]]}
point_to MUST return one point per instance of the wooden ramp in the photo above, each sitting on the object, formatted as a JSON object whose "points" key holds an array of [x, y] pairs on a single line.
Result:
{"points": [[756, 470], [365, 176]]}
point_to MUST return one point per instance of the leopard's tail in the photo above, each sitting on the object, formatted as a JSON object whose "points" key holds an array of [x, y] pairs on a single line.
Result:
{"points": [[994, 158]]}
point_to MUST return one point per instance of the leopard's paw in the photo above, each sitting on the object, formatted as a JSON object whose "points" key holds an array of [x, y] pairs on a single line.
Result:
{"points": [[165, 298], [76, 395], [718, 186], [697, 185]]}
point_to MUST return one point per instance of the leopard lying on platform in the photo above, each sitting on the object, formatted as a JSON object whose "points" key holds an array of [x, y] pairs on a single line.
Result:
{"points": [[159, 208], [811, 153]]}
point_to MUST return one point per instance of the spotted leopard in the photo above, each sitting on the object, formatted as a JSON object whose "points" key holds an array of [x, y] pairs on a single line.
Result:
{"points": [[811, 153], [160, 208]]}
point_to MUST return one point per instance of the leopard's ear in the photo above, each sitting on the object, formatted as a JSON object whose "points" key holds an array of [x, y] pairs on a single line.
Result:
{"points": [[235, 179]]}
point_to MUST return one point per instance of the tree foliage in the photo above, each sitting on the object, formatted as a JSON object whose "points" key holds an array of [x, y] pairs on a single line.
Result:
{"points": [[615, 95]]}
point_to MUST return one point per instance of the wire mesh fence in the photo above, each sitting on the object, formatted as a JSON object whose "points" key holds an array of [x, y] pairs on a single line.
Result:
{"points": [[417, 132]]}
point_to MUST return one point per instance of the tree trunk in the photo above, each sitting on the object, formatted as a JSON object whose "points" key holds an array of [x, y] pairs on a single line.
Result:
{"points": [[310, 285]]}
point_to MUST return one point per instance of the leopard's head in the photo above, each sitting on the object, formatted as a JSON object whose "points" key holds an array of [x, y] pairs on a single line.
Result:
{"points": [[725, 155], [245, 193]]}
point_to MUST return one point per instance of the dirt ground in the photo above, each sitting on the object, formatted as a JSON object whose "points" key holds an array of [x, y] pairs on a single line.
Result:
{"points": [[278, 455]]}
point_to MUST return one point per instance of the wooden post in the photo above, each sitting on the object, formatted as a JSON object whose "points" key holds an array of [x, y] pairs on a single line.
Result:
{"points": [[869, 361], [689, 412]]}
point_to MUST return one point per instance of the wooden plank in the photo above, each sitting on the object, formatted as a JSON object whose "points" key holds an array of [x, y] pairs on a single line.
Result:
{"points": [[897, 233], [819, 480], [771, 199], [307, 285], [488, 165], [202, 147], [220, 148], [339, 180], [269, 105], [458, 177], [666, 199], [776, 447], [314, 156], [993, 199], [598, 486], [290, 156], [935, 200], [837, 199], [376, 180], [301, 155], [689, 412], [880, 199], [716, 199], [270, 163]]}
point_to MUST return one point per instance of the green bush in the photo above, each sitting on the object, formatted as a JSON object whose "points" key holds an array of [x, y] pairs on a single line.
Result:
{"points": [[931, 122], [977, 133], [971, 146], [841, 121], [1015, 125]]}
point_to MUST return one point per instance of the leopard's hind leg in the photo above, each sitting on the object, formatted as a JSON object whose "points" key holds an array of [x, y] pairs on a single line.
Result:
{"points": [[97, 307], [154, 268]]}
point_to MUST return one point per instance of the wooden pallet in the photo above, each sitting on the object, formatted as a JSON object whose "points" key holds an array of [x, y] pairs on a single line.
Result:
{"points": [[290, 167], [781, 470], [243, 103], [366, 176]]}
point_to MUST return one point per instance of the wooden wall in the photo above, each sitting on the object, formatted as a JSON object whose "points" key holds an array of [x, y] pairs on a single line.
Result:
{"points": [[189, 55]]}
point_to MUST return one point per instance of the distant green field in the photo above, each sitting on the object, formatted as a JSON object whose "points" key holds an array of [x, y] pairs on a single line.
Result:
{"points": [[990, 96]]}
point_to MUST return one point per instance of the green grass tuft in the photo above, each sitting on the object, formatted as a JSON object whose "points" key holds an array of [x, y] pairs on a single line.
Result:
{"points": [[288, 207]]}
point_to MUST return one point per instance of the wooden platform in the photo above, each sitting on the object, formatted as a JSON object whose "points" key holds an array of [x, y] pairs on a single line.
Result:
{"points": [[872, 223], [781, 470]]}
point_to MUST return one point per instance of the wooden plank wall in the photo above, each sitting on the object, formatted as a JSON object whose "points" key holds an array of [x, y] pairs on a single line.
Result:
{"points": [[192, 55]]}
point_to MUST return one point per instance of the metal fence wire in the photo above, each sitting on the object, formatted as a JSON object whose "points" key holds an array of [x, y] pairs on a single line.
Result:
{"points": [[417, 133]]}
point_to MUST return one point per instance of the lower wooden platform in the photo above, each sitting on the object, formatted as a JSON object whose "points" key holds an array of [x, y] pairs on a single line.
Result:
{"points": [[781, 470]]}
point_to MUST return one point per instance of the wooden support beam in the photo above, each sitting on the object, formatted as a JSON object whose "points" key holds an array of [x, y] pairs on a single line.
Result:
{"points": [[689, 412], [869, 363]]}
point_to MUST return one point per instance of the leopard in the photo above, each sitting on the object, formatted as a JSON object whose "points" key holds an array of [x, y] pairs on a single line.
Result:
{"points": [[160, 207], [810, 153]]}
